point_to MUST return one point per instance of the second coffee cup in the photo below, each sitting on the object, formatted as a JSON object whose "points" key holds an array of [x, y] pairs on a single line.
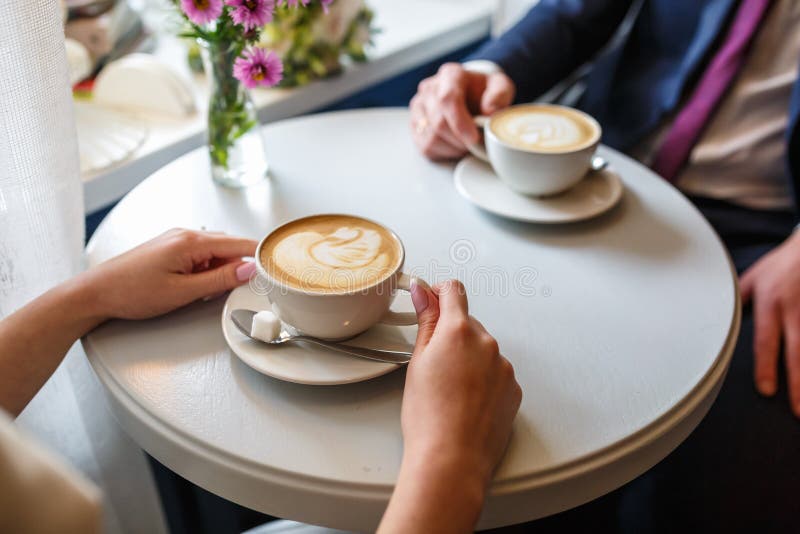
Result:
{"points": [[538, 149]]}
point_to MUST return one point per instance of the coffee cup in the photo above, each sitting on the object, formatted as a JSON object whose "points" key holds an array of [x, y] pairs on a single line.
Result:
{"points": [[333, 276], [538, 149]]}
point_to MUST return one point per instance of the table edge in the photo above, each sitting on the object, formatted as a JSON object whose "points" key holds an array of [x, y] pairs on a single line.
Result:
{"points": [[594, 460]]}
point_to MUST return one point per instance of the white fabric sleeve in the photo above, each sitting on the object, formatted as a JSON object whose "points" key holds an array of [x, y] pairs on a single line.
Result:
{"points": [[484, 66], [39, 493]]}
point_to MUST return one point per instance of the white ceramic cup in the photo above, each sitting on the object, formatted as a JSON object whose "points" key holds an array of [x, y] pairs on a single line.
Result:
{"points": [[338, 315], [537, 172]]}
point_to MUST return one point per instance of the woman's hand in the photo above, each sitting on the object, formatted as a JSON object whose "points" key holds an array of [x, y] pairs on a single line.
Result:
{"points": [[460, 400], [170, 271], [461, 395]]}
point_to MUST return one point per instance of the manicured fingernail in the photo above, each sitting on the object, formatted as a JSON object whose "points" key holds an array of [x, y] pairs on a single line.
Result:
{"points": [[245, 271], [765, 387], [418, 296]]}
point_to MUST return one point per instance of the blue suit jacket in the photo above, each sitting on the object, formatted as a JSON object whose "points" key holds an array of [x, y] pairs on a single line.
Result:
{"points": [[642, 78]]}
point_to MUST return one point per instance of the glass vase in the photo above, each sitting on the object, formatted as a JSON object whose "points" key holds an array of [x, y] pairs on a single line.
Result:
{"points": [[235, 143]]}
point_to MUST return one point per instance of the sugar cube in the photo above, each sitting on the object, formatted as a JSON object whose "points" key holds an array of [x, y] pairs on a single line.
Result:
{"points": [[266, 326]]}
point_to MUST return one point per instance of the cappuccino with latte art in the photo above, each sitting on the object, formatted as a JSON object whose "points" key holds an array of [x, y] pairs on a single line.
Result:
{"points": [[543, 128], [333, 276], [538, 149], [331, 253]]}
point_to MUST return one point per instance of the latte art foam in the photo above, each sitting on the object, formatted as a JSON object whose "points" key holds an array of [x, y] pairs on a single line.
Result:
{"points": [[346, 248], [330, 253], [542, 128]]}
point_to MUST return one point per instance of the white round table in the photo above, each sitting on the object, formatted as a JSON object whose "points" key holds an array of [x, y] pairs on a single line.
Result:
{"points": [[620, 330]]}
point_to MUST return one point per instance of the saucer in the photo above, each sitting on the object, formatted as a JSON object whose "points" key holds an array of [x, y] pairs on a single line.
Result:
{"points": [[597, 193], [310, 364]]}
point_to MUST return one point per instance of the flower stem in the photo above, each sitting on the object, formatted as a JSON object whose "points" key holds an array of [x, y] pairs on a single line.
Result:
{"points": [[229, 116]]}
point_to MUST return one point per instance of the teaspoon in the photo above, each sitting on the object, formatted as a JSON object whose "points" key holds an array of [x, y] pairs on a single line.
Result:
{"points": [[243, 319]]}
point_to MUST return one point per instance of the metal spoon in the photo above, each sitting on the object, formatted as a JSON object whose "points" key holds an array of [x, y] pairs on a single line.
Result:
{"points": [[243, 319], [598, 163]]}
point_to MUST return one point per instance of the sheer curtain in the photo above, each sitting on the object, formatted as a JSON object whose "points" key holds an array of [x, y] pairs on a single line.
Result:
{"points": [[41, 244]]}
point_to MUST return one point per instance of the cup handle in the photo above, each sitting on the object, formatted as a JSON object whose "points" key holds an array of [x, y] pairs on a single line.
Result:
{"points": [[479, 149], [402, 318]]}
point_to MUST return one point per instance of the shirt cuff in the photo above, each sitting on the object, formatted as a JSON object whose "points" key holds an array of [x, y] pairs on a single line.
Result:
{"points": [[483, 66]]}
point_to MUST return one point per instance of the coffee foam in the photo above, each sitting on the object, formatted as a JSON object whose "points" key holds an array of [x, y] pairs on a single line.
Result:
{"points": [[331, 253], [543, 128]]}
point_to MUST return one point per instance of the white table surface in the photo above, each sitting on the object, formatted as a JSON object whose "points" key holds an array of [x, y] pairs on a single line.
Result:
{"points": [[413, 32], [620, 351]]}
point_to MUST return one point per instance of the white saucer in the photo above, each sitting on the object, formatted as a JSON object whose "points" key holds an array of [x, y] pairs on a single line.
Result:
{"points": [[597, 193], [310, 364]]}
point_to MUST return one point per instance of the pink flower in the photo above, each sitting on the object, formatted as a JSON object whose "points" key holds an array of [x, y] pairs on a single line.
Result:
{"points": [[258, 67], [251, 13], [325, 4], [202, 11]]}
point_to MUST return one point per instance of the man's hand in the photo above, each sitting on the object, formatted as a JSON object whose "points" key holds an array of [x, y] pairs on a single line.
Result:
{"points": [[442, 109], [773, 284]]}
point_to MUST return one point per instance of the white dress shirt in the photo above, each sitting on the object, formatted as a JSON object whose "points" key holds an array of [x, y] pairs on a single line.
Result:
{"points": [[741, 154]]}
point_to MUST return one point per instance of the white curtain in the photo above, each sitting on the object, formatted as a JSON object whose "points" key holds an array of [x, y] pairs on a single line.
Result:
{"points": [[41, 244]]}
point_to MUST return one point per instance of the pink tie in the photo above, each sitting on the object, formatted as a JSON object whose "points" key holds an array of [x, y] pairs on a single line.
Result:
{"points": [[685, 131]]}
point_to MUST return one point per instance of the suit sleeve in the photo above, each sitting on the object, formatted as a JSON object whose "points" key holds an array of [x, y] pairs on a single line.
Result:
{"points": [[552, 40]]}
